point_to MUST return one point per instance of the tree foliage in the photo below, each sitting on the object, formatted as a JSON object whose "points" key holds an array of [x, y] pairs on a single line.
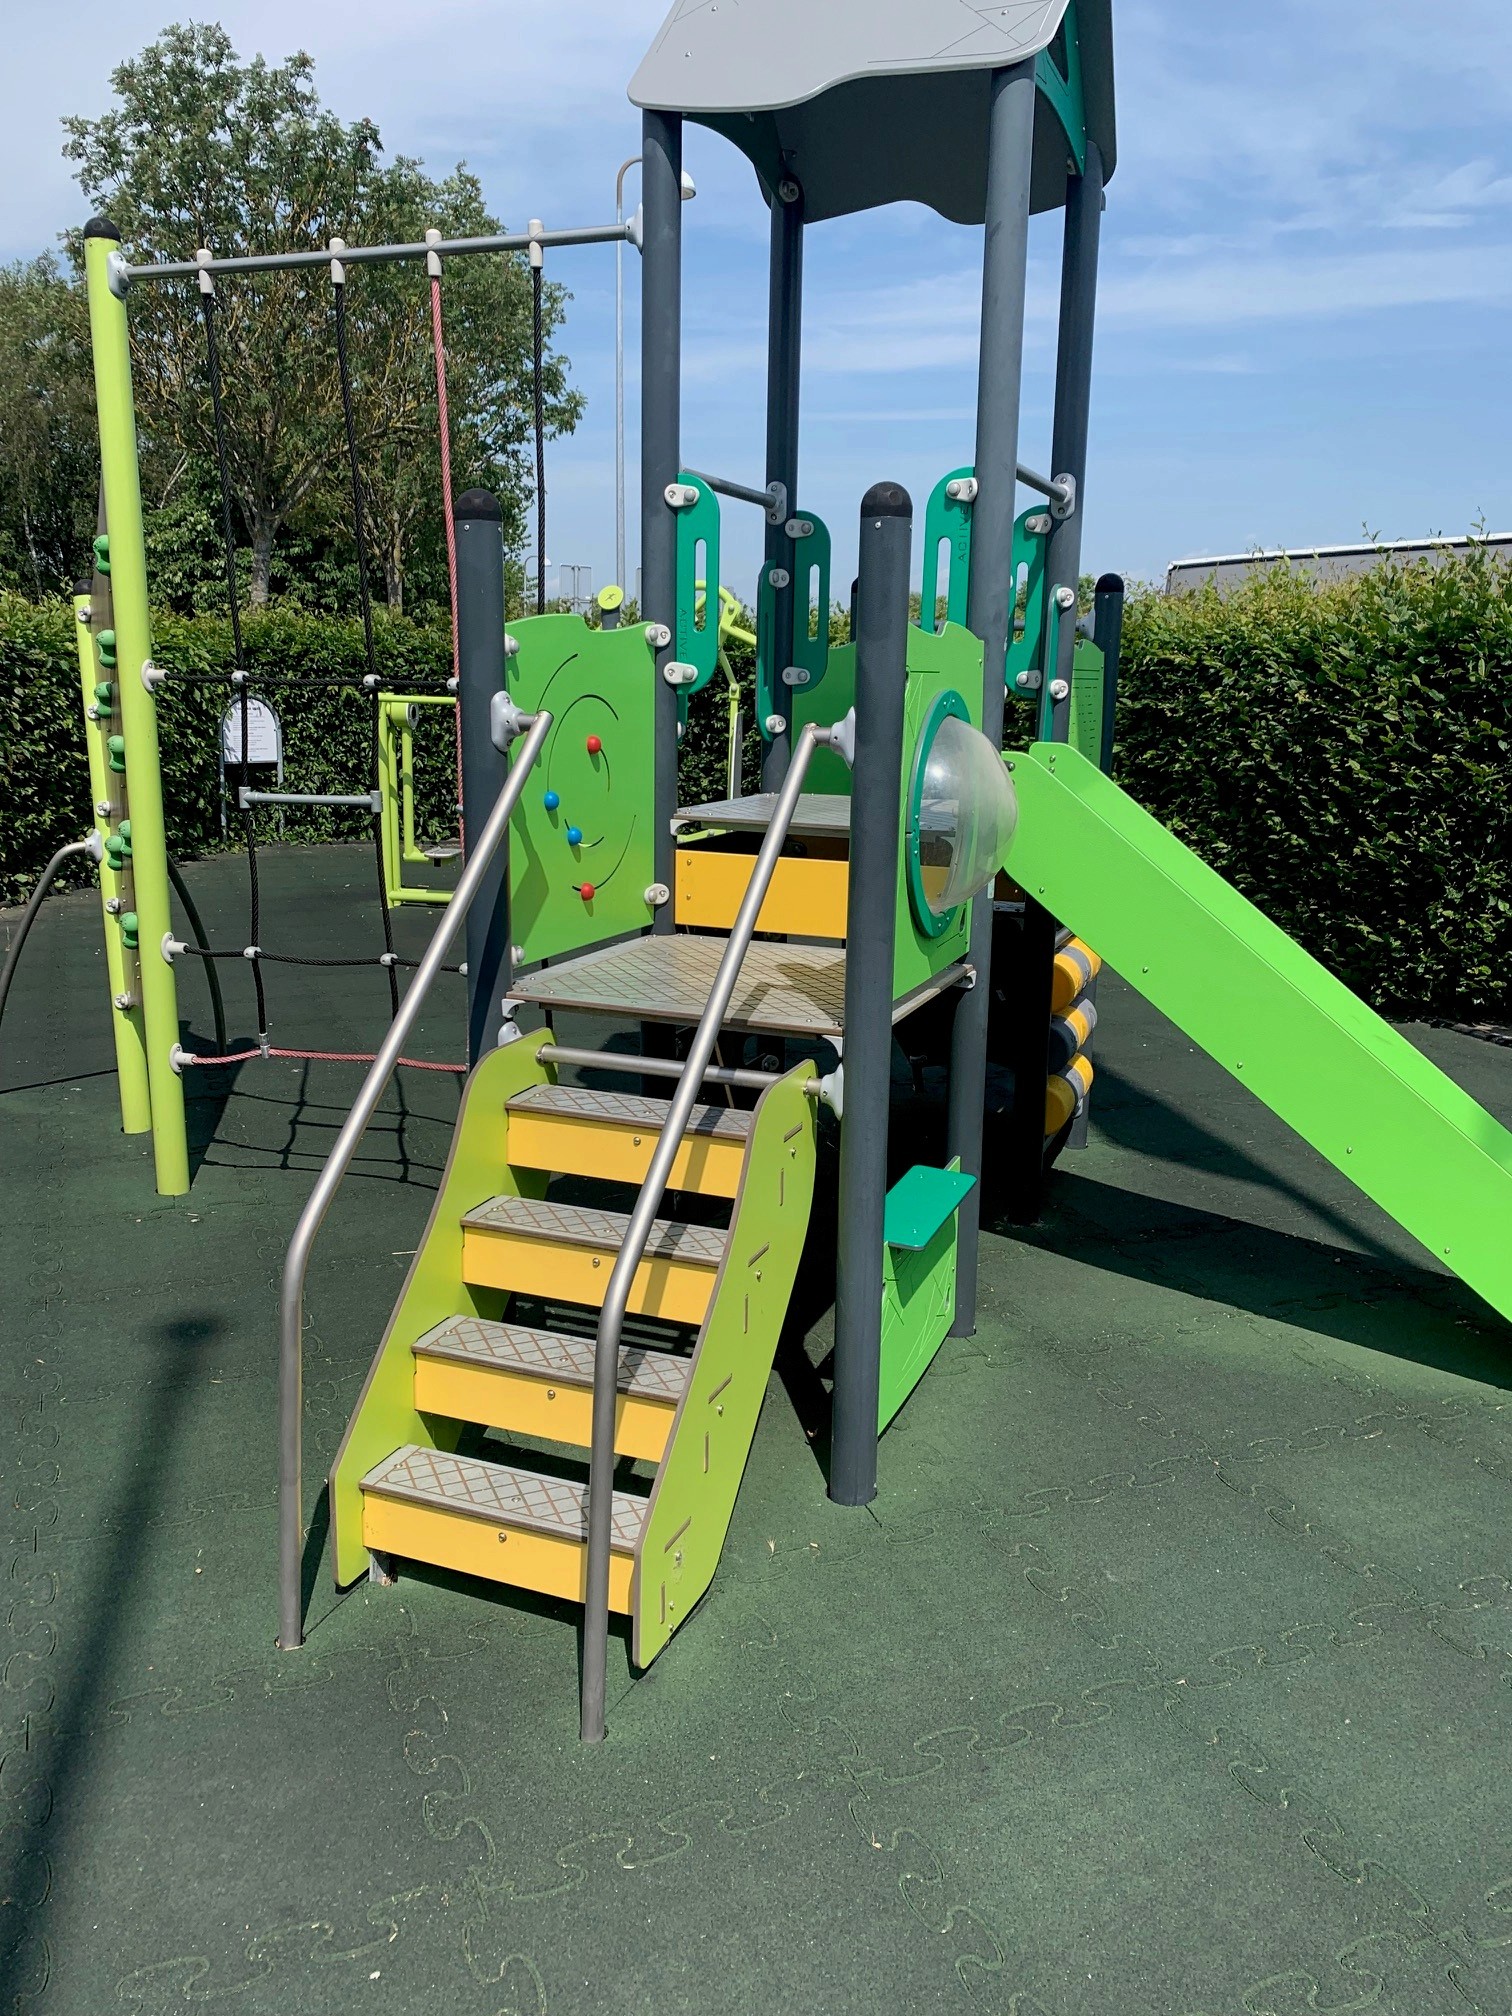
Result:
{"points": [[202, 149], [47, 433]]}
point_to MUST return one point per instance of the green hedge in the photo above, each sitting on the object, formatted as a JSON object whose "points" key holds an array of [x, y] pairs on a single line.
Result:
{"points": [[1341, 754]]}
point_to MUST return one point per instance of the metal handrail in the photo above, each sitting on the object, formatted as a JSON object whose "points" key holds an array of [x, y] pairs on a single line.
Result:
{"points": [[296, 1265], [638, 1232]]}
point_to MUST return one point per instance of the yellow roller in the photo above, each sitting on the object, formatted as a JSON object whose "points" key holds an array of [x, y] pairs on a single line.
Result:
{"points": [[1076, 967], [1065, 1095]]}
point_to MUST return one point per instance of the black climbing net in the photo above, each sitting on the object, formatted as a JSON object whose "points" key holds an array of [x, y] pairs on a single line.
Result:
{"points": [[243, 684]]}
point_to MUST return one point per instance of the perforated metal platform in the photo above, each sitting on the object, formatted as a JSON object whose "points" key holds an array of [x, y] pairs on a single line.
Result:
{"points": [[624, 1109], [796, 990], [821, 815], [546, 1354], [571, 1225], [500, 1495]]}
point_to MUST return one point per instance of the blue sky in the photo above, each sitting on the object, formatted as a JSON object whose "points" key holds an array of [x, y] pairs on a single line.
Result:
{"points": [[1306, 275]]}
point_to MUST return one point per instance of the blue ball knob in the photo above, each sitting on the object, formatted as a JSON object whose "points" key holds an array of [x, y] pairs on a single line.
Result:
{"points": [[551, 801], [574, 836]]}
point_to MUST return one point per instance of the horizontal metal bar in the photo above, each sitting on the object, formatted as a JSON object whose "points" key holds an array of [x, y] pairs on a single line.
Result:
{"points": [[656, 1067], [374, 255], [742, 492], [368, 801], [1047, 486]]}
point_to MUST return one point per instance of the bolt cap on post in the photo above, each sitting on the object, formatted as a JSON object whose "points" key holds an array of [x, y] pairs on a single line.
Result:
{"points": [[887, 500], [593, 745]]}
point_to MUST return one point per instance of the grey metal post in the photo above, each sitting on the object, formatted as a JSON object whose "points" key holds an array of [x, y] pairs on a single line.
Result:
{"points": [[1030, 1010], [480, 666], [1073, 408], [661, 444], [784, 367], [991, 590], [877, 787]]}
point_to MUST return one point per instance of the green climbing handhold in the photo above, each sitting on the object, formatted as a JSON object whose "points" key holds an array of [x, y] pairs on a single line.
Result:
{"points": [[129, 928], [124, 829], [115, 749], [107, 645], [104, 694]]}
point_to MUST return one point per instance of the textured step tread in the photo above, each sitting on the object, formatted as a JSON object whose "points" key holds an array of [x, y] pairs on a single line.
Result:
{"points": [[573, 1225], [578, 1102], [500, 1494], [546, 1354]]}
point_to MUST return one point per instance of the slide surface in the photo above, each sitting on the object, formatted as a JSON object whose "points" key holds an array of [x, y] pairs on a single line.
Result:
{"points": [[1275, 1019]]}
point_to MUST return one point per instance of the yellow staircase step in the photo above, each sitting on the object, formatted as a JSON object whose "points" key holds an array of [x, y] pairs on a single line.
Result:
{"points": [[492, 1519], [565, 1253], [574, 1131], [538, 1382]]}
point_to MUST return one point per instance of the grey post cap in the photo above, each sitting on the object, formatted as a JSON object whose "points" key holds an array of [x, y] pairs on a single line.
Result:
{"points": [[866, 102]]}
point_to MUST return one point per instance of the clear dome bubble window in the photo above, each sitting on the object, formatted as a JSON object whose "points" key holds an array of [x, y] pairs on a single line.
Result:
{"points": [[962, 814]]}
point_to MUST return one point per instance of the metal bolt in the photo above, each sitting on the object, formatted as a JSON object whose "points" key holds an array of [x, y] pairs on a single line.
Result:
{"points": [[788, 189], [1059, 689], [124, 1001], [1065, 598], [114, 905], [551, 1392], [677, 1558], [502, 1538], [779, 577]]}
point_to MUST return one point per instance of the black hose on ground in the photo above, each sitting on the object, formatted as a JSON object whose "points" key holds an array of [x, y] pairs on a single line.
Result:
{"points": [[29, 915]]}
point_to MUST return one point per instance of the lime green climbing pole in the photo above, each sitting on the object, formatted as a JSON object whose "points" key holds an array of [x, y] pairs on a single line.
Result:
{"points": [[130, 644]]}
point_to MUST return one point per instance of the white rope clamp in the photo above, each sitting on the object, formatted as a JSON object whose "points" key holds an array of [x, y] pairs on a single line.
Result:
{"points": [[537, 250], [433, 257], [206, 279], [338, 270]]}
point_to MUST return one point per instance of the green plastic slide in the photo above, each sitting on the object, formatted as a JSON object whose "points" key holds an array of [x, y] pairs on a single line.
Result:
{"points": [[1280, 1023]]}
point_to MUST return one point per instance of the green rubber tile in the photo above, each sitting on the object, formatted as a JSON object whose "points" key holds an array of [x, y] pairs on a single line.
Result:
{"points": [[1168, 1674]]}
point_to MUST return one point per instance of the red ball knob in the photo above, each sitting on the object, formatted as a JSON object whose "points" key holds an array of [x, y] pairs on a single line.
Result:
{"points": [[594, 745], [586, 892]]}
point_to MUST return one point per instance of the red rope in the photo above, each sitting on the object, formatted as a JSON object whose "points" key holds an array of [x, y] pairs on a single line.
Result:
{"points": [[443, 418], [323, 1057]]}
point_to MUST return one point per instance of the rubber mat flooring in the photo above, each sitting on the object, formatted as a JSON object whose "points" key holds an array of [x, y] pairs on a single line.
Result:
{"points": [[1169, 1675]]}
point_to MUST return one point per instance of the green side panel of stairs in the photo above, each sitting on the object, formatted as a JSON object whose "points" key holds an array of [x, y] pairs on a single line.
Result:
{"points": [[599, 685], [700, 1474], [385, 1416], [1275, 1019]]}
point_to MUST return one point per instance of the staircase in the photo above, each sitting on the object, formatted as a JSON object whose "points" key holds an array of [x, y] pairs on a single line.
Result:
{"points": [[468, 1447]]}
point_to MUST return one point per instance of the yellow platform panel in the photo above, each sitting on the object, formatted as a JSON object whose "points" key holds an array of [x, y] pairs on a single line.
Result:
{"points": [[807, 897]]}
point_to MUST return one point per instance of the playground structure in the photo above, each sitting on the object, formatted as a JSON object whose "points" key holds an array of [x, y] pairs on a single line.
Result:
{"points": [[816, 916]]}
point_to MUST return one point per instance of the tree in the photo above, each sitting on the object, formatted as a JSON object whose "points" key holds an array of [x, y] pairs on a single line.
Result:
{"points": [[201, 149], [47, 447]]}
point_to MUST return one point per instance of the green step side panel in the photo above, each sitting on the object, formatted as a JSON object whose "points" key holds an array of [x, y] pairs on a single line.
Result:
{"points": [[918, 1282], [476, 1169], [695, 1488], [1275, 1019], [599, 683]]}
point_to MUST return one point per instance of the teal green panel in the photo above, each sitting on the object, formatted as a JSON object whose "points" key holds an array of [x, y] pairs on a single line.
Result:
{"points": [[918, 1308], [1275, 1019], [1063, 88], [696, 638], [596, 683], [809, 654], [919, 1203], [1025, 647], [947, 523], [1087, 700]]}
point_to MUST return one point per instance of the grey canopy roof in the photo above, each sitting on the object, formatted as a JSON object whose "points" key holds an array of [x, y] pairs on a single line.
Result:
{"points": [[872, 101]]}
